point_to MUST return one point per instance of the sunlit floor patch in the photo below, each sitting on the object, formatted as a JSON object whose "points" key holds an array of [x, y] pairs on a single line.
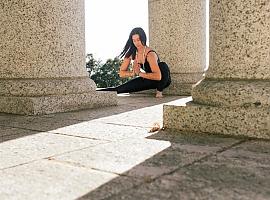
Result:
{"points": [[70, 157], [50, 180]]}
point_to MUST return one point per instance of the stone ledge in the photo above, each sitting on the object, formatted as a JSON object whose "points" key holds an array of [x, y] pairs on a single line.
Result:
{"points": [[59, 103], [45, 86], [229, 93], [236, 121], [187, 77]]}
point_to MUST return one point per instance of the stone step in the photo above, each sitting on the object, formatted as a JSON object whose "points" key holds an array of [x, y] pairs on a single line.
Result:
{"points": [[56, 103], [236, 121]]}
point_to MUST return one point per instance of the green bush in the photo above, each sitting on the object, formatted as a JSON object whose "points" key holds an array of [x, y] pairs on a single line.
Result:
{"points": [[104, 74]]}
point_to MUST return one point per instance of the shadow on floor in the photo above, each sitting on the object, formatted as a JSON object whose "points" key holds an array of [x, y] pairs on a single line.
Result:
{"points": [[16, 126], [195, 167]]}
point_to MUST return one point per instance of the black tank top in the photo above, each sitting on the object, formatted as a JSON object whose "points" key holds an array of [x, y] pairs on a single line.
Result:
{"points": [[146, 66]]}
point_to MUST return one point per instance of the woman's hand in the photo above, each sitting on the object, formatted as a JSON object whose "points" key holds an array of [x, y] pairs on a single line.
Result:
{"points": [[136, 67], [124, 72]]}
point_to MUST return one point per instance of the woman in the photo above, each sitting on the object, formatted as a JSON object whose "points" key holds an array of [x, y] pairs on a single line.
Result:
{"points": [[150, 72]]}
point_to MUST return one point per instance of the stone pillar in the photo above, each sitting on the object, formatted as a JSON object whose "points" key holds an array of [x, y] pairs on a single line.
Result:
{"points": [[234, 98], [42, 60], [177, 33]]}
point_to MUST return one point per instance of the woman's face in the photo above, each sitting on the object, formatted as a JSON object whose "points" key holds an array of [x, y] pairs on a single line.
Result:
{"points": [[137, 41]]}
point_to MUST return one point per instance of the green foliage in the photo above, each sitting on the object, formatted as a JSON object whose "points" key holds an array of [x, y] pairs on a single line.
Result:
{"points": [[104, 75], [91, 63]]}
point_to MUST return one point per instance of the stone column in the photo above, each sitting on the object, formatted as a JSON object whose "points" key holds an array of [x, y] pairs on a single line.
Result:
{"points": [[42, 60], [177, 33], [234, 98]]}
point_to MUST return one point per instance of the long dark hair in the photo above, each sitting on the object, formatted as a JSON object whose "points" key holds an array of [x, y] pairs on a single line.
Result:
{"points": [[130, 48]]}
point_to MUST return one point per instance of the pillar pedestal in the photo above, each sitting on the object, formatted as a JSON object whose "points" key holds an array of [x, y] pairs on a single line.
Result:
{"points": [[42, 60], [234, 98]]}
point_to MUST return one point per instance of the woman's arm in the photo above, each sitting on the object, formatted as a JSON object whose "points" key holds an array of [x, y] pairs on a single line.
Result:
{"points": [[155, 74], [124, 72]]}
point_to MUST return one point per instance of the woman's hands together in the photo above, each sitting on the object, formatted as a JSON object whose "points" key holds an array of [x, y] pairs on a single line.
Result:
{"points": [[136, 67]]}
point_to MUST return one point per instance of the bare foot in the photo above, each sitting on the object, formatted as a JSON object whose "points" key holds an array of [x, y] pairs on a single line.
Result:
{"points": [[159, 94]]}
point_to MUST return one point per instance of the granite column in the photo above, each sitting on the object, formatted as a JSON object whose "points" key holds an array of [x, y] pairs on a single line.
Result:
{"points": [[42, 60]]}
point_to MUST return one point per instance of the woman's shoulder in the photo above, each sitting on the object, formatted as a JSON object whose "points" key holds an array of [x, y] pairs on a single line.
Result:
{"points": [[150, 52], [149, 49]]}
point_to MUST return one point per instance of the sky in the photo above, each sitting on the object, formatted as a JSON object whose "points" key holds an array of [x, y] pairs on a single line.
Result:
{"points": [[109, 22]]}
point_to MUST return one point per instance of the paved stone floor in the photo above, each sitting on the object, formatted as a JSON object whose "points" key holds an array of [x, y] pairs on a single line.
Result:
{"points": [[108, 153]]}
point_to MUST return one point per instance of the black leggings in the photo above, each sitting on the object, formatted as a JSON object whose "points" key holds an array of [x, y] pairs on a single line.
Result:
{"points": [[140, 84]]}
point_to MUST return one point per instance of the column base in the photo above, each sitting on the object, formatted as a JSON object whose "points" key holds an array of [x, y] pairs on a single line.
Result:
{"points": [[56, 103], [229, 93], [251, 121], [182, 84]]}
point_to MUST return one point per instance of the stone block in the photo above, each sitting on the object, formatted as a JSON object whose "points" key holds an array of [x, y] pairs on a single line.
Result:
{"points": [[38, 146], [236, 121], [56, 103], [116, 157], [32, 87], [232, 93], [49, 180]]}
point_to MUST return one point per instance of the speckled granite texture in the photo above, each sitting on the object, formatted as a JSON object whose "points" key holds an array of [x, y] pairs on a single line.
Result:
{"points": [[239, 39], [56, 103], [234, 98], [39, 87], [42, 60], [177, 33], [232, 93], [238, 121], [42, 39]]}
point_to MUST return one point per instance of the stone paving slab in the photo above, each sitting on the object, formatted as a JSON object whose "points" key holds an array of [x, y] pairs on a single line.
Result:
{"points": [[94, 154], [143, 117], [116, 157], [115, 186], [180, 153], [241, 172], [134, 117], [165, 162], [222, 176], [8, 133], [45, 180], [151, 191], [251, 154], [35, 123], [175, 190], [252, 147], [125, 103], [38, 146], [103, 131], [95, 113], [200, 140], [185, 150]]}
